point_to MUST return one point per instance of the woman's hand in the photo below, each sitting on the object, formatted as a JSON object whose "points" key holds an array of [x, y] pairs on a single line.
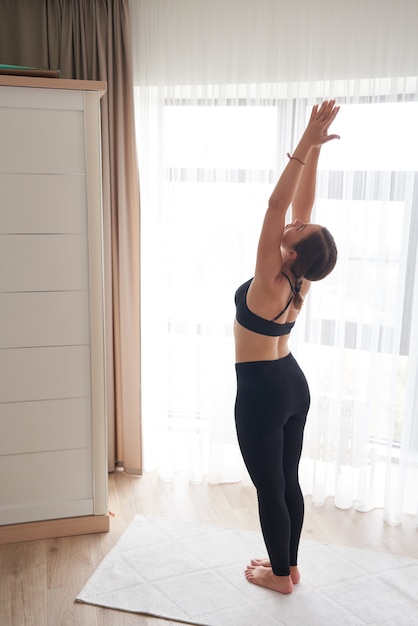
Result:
{"points": [[316, 133]]}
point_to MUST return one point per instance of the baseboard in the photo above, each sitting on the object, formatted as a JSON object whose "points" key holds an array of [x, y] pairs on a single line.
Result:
{"points": [[50, 529]]}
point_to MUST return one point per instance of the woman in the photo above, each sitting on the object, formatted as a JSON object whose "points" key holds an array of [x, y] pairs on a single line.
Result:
{"points": [[272, 393]]}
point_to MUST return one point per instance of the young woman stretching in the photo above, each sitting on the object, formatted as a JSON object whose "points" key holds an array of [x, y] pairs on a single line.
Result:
{"points": [[272, 393]]}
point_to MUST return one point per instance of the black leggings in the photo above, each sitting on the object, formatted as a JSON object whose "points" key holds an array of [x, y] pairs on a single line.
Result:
{"points": [[270, 414]]}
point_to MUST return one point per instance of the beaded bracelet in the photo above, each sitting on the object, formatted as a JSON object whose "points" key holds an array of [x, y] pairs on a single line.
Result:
{"points": [[295, 159]]}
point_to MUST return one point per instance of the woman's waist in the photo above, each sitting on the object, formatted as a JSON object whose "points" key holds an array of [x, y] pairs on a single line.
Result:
{"points": [[260, 348], [245, 353]]}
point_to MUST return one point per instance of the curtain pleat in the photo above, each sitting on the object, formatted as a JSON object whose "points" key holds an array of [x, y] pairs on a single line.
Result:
{"points": [[91, 41]]}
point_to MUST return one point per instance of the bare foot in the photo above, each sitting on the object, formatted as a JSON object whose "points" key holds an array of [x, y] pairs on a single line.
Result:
{"points": [[294, 571], [294, 574], [263, 576], [263, 562]]}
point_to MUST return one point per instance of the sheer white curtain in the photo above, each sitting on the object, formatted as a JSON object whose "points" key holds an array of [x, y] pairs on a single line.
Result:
{"points": [[223, 92]]}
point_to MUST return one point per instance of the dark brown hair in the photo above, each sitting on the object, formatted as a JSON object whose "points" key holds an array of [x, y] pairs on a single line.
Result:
{"points": [[316, 258]]}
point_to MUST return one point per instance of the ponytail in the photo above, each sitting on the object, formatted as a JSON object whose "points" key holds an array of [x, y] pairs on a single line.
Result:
{"points": [[298, 299]]}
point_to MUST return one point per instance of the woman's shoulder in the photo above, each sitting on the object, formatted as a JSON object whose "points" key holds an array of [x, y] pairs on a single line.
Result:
{"points": [[271, 287], [264, 294]]}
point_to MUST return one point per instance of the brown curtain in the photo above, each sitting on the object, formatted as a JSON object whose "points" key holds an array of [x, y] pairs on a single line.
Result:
{"points": [[90, 40]]}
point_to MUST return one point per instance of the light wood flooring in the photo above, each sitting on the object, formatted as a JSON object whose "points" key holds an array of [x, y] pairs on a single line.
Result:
{"points": [[40, 579]]}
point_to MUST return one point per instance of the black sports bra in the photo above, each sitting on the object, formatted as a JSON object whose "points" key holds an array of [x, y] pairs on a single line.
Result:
{"points": [[254, 322]]}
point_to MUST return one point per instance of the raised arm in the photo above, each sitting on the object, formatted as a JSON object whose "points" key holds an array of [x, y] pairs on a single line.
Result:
{"points": [[269, 260], [304, 197]]}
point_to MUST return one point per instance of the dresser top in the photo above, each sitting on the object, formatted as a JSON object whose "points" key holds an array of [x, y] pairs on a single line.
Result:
{"points": [[8, 80]]}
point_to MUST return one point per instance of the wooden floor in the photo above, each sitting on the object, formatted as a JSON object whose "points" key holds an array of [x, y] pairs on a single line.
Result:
{"points": [[39, 580]]}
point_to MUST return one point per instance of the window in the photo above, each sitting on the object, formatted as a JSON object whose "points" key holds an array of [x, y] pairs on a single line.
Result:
{"points": [[208, 165]]}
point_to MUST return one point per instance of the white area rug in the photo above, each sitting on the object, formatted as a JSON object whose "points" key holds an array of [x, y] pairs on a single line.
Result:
{"points": [[194, 573]]}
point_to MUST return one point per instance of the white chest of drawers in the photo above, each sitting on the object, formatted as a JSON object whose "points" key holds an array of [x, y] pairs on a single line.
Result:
{"points": [[53, 458]]}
